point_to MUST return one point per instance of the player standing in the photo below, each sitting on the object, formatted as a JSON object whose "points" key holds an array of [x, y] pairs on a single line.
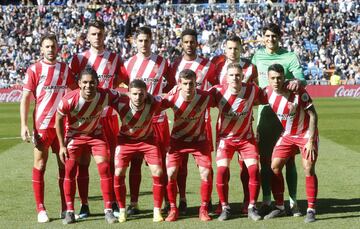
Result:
{"points": [[137, 139], [189, 135], [82, 109], [152, 69], [233, 49], [47, 80], [269, 128], [234, 133], [205, 75], [298, 117], [111, 72]]}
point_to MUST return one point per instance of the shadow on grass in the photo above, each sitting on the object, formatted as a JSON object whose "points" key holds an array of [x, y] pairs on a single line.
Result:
{"points": [[332, 205], [193, 212]]}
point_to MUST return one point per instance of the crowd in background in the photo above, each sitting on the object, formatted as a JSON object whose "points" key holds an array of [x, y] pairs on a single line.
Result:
{"points": [[325, 35]]}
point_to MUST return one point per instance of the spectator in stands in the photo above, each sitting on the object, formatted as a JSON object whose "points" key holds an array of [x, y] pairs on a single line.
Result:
{"points": [[315, 28]]}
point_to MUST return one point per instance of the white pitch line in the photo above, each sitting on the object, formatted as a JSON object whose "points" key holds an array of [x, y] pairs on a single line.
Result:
{"points": [[9, 138]]}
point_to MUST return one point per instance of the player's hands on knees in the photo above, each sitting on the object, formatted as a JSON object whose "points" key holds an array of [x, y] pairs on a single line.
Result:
{"points": [[293, 85], [25, 134], [63, 154], [310, 151]]}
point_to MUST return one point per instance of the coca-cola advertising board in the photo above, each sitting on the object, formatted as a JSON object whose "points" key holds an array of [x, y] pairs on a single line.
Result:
{"points": [[10, 95], [14, 94], [316, 91]]}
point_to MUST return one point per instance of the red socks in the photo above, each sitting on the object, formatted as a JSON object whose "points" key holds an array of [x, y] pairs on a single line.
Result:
{"points": [[277, 188], [244, 176], [38, 187], [254, 183], [106, 183], [120, 190], [135, 178], [311, 190], [69, 184], [172, 192], [182, 175], [61, 188], [222, 186], [205, 190], [83, 183], [158, 193]]}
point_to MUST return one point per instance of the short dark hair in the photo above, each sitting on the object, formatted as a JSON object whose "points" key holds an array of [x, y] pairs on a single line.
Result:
{"points": [[233, 38], [137, 83], [190, 32], [276, 68], [48, 36], [97, 24], [187, 74], [89, 71], [143, 30], [273, 28], [234, 65]]}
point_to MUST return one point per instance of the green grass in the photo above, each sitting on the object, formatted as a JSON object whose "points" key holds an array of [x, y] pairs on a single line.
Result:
{"points": [[337, 169]]}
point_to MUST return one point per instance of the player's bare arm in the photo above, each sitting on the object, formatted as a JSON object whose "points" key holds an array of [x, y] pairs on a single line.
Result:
{"points": [[310, 145], [59, 120], [24, 111]]}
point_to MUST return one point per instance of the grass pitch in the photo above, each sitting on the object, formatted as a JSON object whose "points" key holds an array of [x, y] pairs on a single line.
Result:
{"points": [[338, 172]]}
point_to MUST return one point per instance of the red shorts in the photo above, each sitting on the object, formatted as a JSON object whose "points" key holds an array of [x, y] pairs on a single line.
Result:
{"points": [[110, 127], [247, 148], [162, 134], [201, 152], [43, 139], [287, 146], [95, 145], [127, 149]]}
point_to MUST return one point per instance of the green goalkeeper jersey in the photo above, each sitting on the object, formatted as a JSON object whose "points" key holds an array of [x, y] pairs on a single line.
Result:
{"points": [[262, 60]]}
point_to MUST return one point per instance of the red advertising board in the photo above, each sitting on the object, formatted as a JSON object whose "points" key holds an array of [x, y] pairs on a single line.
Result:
{"points": [[315, 91], [10, 95]]}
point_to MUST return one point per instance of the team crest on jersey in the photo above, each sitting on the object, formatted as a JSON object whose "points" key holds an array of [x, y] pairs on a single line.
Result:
{"points": [[42, 79], [305, 97]]}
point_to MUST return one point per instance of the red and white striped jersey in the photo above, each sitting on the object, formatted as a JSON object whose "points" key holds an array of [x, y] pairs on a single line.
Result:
{"points": [[137, 124], [290, 110], [48, 83], [204, 69], [83, 116], [108, 65], [248, 69], [235, 110], [153, 71], [189, 117]]}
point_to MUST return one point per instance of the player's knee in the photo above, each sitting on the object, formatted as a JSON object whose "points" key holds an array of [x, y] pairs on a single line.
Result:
{"points": [[157, 171], [40, 164], [172, 173], [276, 169], [204, 173], [309, 169], [119, 172]]}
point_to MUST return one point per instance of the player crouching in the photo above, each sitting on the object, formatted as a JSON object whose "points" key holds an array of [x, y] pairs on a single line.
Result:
{"points": [[82, 109], [137, 137], [299, 119]]}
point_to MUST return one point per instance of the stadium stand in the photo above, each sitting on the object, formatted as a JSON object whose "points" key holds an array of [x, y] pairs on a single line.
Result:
{"points": [[323, 33]]}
